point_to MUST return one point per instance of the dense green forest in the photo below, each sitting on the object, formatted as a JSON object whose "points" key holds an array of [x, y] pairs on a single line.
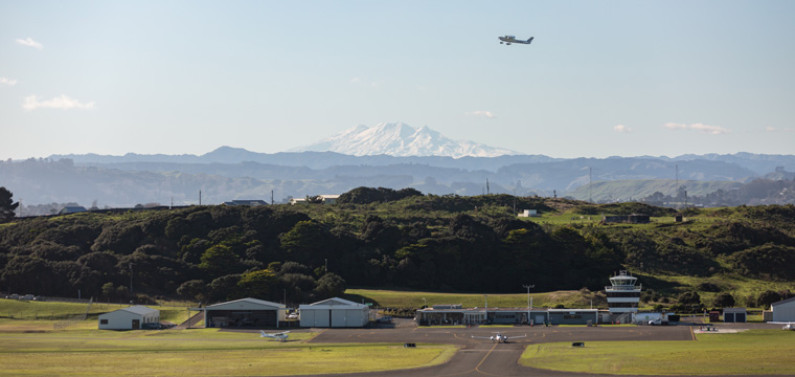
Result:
{"points": [[382, 238]]}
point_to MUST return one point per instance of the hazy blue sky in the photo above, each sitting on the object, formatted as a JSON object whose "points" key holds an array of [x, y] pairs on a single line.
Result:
{"points": [[601, 77]]}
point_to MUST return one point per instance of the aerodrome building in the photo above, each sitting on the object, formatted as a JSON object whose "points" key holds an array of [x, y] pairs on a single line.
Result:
{"points": [[623, 295], [455, 315], [132, 318]]}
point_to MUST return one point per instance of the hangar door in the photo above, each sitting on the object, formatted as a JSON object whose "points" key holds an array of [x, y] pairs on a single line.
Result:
{"points": [[242, 319], [354, 318], [338, 318], [320, 317], [734, 317]]}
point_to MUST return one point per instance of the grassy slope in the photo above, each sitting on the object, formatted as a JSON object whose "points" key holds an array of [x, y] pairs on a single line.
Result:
{"points": [[45, 315], [412, 299], [749, 353]]}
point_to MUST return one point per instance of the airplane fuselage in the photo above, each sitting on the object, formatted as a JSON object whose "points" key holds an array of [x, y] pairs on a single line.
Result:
{"points": [[508, 39]]}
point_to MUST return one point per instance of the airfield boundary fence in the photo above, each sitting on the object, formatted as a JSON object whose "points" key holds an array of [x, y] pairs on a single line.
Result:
{"points": [[60, 325]]}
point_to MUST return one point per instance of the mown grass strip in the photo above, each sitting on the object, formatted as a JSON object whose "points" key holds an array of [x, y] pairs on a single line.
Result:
{"points": [[206, 352], [255, 362], [760, 352]]}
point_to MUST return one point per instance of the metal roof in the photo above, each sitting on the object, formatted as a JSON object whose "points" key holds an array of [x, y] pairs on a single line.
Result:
{"points": [[137, 309], [787, 301], [247, 300], [334, 302]]}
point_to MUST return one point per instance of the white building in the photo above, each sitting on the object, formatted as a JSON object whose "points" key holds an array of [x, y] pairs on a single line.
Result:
{"points": [[244, 313], [622, 294], [132, 318], [334, 312], [783, 311]]}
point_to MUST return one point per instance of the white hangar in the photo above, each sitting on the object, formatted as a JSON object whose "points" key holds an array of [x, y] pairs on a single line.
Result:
{"points": [[244, 313], [334, 312], [132, 318], [784, 310]]}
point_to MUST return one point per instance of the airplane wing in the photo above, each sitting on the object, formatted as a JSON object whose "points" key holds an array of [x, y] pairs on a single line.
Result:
{"points": [[272, 335], [516, 336]]}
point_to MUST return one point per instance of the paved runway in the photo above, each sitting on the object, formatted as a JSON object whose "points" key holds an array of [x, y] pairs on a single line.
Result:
{"points": [[481, 357]]}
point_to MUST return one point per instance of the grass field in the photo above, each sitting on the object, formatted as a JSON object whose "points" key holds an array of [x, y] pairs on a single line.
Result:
{"points": [[759, 352], [32, 344], [198, 353]]}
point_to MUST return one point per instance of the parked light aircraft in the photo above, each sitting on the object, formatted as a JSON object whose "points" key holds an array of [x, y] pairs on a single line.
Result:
{"points": [[280, 336], [508, 39], [788, 326], [498, 337]]}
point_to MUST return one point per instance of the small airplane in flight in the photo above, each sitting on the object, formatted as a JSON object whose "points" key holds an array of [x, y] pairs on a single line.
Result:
{"points": [[498, 337], [508, 39], [280, 336]]}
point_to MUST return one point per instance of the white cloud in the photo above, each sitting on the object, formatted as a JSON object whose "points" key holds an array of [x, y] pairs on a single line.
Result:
{"points": [[30, 43], [7, 81], [63, 102], [774, 129], [359, 81], [481, 113], [703, 128], [622, 129]]}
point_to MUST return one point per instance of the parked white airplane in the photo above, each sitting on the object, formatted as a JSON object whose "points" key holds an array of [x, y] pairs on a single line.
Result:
{"points": [[508, 39], [498, 337], [788, 326], [280, 336]]}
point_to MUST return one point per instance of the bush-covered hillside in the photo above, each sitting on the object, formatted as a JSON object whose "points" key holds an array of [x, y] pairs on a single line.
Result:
{"points": [[424, 242]]}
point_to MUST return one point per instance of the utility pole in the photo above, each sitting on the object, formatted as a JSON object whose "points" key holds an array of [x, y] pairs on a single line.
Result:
{"points": [[528, 286], [131, 282]]}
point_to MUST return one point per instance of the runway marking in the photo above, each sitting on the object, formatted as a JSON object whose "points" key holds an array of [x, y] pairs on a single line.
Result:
{"points": [[477, 367]]}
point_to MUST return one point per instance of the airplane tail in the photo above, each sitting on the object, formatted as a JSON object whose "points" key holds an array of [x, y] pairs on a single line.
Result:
{"points": [[530, 40], [261, 334]]}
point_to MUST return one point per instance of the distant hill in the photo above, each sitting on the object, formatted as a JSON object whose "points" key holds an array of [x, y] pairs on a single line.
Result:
{"points": [[232, 173], [633, 190]]}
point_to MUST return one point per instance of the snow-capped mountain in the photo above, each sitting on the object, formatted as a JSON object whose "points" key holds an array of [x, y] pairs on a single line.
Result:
{"points": [[400, 139]]}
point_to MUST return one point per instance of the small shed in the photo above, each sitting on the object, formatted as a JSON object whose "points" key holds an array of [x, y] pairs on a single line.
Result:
{"points": [[784, 310], [244, 313], [132, 318], [735, 315], [334, 312]]}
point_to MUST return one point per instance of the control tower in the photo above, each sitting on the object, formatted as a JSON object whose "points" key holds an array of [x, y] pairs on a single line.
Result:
{"points": [[622, 295]]}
